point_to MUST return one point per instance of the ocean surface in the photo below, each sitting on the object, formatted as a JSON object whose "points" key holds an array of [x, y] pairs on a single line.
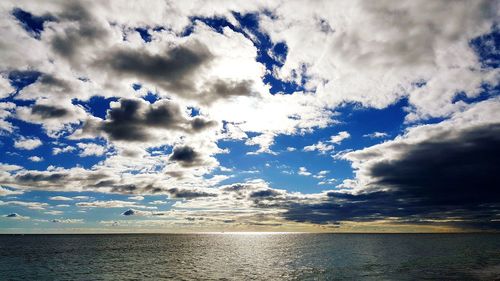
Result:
{"points": [[251, 257]]}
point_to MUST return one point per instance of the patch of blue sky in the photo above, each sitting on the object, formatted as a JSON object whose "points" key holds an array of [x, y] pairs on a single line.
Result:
{"points": [[146, 37], [12, 155], [31, 23], [96, 105], [487, 47]]}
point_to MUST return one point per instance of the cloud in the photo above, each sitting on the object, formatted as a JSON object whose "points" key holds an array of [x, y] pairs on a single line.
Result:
{"points": [[338, 138], [265, 193], [16, 216], [47, 111], [303, 172], [320, 146], [221, 89], [5, 88], [172, 69], [138, 198], [213, 85], [67, 221], [54, 212], [189, 193], [58, 150], [6, 109], [376, 135], [135, 120], [36, 159], [106, 204], [158, 202], [446, 177], [200, 124], [129, 212], [91, 149], [321, 174], [7, 192], [29, 205], [60, 198], [374, 37], [453, 168], [186, 156], [27, 143], [134, 212], [10, 167], [323, 147]]}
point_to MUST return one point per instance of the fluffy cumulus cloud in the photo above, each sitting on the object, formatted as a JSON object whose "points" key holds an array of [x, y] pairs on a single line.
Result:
{"points": [[181, 99], [27, 143]]}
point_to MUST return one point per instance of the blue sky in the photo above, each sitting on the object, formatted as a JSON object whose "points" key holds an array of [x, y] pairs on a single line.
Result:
{"points": [[238, 117]]}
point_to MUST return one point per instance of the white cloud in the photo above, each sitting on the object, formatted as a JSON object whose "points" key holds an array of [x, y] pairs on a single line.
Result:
{"points": [[9, 167], [111, 204], [53, 212], [35, 159], [303, 172], [137, 198], [60, 198], [27, 143], [338, 138], [29, 205], [158, 202], [58, 150], [6, 109], [321, 174], [5, 87], [320, 146], [91, 149], [360, 51], [67, 221], [324, 147], [376, 135], [7, 192]]}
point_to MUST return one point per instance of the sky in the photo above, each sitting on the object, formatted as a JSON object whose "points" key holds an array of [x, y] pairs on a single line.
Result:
{"points": [[201, 116]]}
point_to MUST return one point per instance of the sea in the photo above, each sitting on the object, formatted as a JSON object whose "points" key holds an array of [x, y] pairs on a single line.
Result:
{"points": [[250, 256]]}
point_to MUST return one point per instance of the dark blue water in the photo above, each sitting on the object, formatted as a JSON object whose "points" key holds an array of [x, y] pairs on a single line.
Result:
{"points": [[251, 257]]}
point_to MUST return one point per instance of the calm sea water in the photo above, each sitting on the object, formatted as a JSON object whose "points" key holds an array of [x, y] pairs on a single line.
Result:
{"points": [[251, 257]]}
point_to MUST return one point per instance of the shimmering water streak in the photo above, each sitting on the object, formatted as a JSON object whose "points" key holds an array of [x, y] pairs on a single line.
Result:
{"points": [[250, 256]]}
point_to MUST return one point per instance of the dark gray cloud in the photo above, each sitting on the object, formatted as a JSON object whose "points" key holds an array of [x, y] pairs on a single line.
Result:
{"points": [[124, 188], [265, 193], [453, 175], [129, 212], [34, 177], [200, 124], [133, 119], [186, 156], [12, 215], [225, 89], [86, 30], [172, 70], [235, 187], [50, 80], [48, 111], [188, 193]]}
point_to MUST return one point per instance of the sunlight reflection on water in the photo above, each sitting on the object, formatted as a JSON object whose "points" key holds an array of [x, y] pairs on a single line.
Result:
{"points": [[249, 256]]}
